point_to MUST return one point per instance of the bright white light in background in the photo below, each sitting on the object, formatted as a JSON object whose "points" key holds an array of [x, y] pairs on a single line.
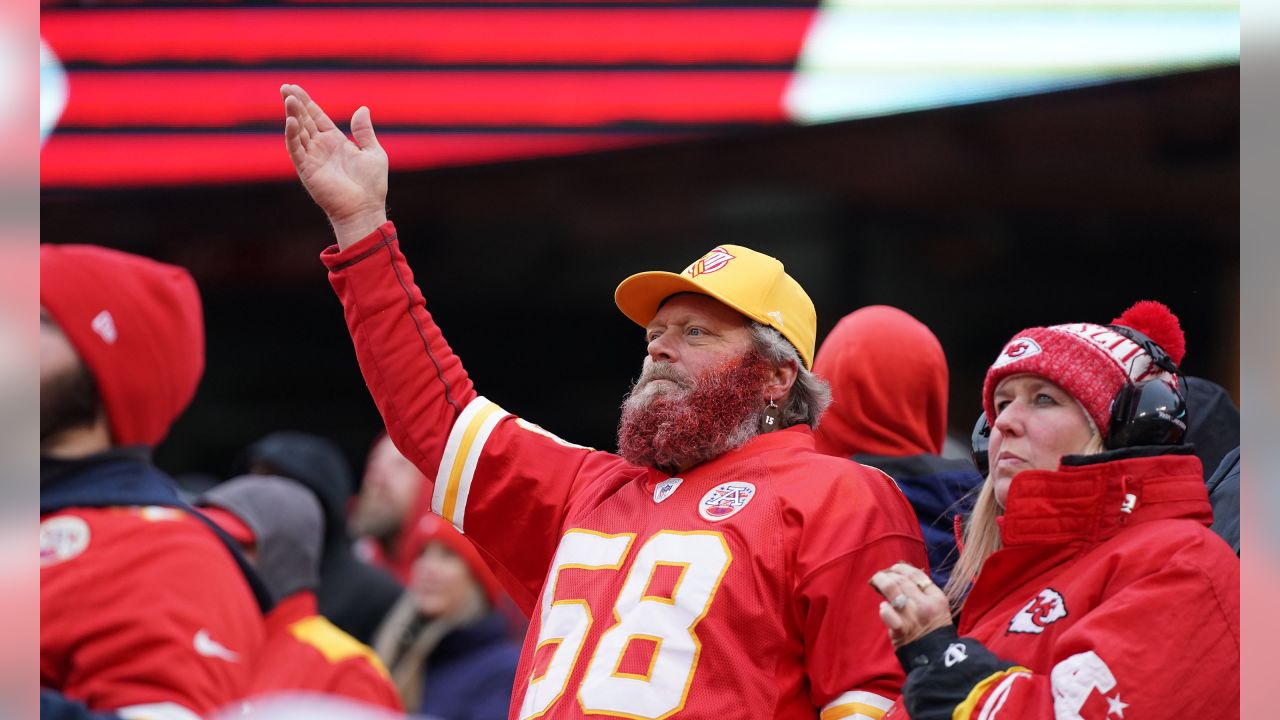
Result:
{"points": [[864, 58], [53, 90]]}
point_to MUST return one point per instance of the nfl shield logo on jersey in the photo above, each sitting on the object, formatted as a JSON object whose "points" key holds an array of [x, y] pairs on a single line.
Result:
{"points": [[724, 501], [1042, 611], [665, 489]]}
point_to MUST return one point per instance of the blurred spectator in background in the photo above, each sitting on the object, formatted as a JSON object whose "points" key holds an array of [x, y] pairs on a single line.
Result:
{"points": [[888, 378], [449, 650], [1224, 495], [354, 595], [386, 508], [1213, 429], [280, 525], [144, 609], [1213, 422]]}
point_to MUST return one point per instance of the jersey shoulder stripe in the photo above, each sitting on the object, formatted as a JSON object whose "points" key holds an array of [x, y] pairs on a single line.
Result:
{"points": [[857, 705], [461, 454]]}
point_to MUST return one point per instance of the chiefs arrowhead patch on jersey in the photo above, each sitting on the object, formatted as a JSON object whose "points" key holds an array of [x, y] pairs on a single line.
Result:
{"points": [[725, 500], [1043, 610]]}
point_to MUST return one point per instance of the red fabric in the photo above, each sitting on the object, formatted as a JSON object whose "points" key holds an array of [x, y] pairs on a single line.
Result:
{"points": [[888, 379], [773, 611], [304, 651], [430, 528], [137, 325], [1091, 362], [1151, 599], [230, 524], [119, 621]]}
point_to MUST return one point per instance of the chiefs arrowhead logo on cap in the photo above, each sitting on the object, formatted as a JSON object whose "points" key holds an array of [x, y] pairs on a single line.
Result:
{"points": [[711, 262], [1017, 349]]}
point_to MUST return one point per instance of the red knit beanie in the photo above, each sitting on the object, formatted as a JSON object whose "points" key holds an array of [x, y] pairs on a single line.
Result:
{"points": [[432, 528], [136, 324], [1091, 362]]}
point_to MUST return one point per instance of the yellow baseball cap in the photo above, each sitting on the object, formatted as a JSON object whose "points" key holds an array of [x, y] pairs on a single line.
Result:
{"points": [[752, 283]]}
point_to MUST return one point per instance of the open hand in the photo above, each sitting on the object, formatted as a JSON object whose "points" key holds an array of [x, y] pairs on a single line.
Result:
{"points": [[348, 180], [915, 606]]}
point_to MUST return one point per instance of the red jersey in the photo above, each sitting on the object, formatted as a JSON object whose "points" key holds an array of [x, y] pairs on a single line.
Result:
{"points": [[1110, 599], [736, 590], [304, 651], [143, 608]]}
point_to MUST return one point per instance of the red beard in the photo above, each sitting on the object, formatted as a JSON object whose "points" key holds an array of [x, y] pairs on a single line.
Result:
{"points": [[699, 419]]}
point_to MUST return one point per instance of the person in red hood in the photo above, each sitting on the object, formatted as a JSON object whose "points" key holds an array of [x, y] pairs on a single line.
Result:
{"points": [[1089, 582], [888, 379]]}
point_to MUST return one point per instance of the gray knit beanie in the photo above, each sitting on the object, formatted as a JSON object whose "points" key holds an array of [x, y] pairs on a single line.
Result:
{"points": [[287, 523]]}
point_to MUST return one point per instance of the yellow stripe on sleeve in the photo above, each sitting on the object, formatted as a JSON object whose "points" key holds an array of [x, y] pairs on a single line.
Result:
{"points": [[464, 451], [333, 643], [857, 705], [964, 711]]}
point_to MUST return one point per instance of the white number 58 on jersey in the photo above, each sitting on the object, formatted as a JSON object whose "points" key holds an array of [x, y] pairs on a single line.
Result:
{"points": [[667, 621]]}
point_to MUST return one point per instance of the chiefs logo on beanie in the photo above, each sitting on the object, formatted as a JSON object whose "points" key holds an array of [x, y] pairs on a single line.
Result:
{"points": [[1091, 362], [137, 325]]}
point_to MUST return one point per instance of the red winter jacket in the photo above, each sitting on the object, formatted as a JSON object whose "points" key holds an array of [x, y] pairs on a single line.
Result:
{"points": [[304, 651], [143, 608], [1090, 611]]}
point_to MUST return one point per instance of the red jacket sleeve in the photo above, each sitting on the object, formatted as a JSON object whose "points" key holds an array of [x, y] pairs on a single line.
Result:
{"points": [[866, 525], [504, 482], [416, 381]]}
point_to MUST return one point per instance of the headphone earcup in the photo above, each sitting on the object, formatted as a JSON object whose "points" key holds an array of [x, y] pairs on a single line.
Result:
{"points": [[1147, 413], [979, 441]]}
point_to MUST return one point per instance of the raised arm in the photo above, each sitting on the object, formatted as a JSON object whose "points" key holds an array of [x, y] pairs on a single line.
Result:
{"points": [[348, 180]]}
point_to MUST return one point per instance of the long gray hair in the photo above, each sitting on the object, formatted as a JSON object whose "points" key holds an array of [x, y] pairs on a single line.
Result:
{"points": [[810, 395]]}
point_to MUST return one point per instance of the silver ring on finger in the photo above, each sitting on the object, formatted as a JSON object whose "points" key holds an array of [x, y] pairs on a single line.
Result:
{"points": [[898, 602]]}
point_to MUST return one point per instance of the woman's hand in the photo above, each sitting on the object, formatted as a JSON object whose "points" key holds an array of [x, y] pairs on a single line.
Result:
{"points": [[915, 607]]}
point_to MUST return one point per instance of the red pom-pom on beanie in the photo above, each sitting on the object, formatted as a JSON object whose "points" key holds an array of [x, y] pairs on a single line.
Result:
{"points": [[1156, 321]]}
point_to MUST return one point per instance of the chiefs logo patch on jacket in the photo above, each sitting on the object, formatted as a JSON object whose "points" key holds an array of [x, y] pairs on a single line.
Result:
{"points": [[1040, 612]]}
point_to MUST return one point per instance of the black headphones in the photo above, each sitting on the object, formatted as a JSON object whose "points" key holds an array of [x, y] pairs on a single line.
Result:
{"points": [[979, 440], [1150, 412]]}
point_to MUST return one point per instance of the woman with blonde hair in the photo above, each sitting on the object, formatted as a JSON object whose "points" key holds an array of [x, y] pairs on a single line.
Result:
{"points": [[1088, 584]]}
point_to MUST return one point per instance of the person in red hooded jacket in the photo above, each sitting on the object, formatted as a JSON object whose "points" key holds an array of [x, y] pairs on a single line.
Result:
{"points": [[1092, 587], [145, 611], [888, 378]]}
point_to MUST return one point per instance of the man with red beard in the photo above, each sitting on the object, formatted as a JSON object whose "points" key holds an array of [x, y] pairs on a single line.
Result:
{"points": [[716, 567]]}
